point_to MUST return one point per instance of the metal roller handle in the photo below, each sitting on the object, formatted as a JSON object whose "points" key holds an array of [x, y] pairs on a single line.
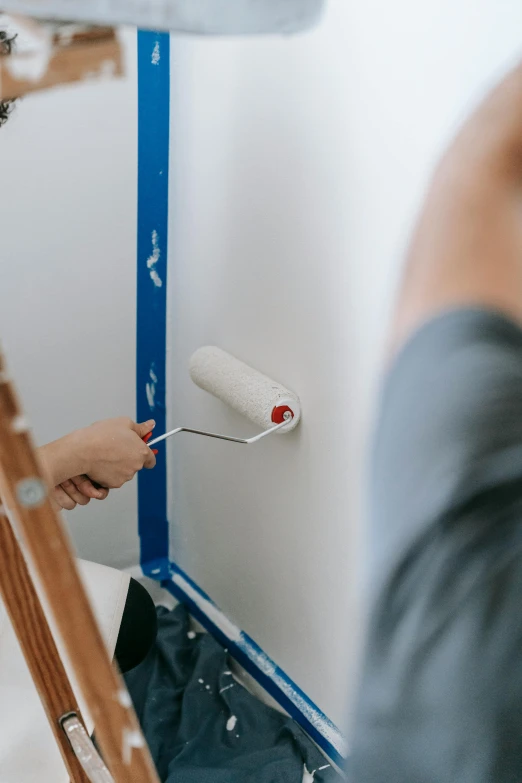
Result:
{"points": [[245, 441]]}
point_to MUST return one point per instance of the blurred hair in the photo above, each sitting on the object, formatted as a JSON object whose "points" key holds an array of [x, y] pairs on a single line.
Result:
{"points": [[6, 47]]}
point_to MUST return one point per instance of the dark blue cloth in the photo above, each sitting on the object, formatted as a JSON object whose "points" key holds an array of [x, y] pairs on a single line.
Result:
{"points": [[186, 698]]}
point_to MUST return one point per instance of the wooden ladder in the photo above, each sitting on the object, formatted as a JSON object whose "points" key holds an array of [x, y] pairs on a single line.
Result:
{"points": [[24, 498]]}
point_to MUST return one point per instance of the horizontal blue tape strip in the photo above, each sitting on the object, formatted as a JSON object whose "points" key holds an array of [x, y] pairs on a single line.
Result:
{"points": [[286, 693], [152, 247]]}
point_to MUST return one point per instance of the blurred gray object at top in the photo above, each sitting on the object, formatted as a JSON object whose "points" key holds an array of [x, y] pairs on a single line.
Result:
{"points": [[198, 17]]}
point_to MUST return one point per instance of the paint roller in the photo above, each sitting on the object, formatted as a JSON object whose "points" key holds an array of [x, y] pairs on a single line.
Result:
{"points": [[257, 397]]}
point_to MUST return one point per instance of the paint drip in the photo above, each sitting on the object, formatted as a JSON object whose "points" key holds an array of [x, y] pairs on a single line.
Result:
{"points": [[150, 391], [231, 723], [131, 739], [153, 259]]}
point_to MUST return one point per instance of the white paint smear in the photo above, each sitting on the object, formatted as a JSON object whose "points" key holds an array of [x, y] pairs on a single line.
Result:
{"points": [[150, 391], [156, 54], [131, 739], [124, 698], [201, 681], [32, 65], [261, 660], [20, 424], [156, 279], [227, 687], [308, 777], [67, 33], [191, 634], [153, 259], [323, 725], [209, 609], [231, 723]]}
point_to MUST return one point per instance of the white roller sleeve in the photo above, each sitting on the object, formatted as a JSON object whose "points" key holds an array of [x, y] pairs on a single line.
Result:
{"points": [[241, 387]]}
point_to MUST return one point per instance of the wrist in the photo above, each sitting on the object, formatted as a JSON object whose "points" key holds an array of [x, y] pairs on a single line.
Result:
{"points": [[65, 457], [78, 447]]}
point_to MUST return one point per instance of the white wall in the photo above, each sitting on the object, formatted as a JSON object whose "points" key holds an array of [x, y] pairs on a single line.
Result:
{"points": [[297, 167], [68, 274]]}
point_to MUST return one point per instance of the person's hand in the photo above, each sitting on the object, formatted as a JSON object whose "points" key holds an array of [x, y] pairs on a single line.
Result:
{"points": [[77, 490], [112, 451]]}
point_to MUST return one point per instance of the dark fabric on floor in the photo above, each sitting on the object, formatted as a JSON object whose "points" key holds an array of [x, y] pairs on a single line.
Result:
{"points": [[176, 693]]}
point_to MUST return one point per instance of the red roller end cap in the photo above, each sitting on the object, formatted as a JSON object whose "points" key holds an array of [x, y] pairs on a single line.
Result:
{"points": [[278, 414]]}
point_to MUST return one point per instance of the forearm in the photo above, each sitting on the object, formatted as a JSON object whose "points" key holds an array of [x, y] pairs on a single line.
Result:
{"points": [[63, 458], [467, 247]]}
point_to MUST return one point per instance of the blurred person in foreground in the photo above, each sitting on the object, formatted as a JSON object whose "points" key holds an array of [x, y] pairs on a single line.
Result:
{"points": [[440, 694]]}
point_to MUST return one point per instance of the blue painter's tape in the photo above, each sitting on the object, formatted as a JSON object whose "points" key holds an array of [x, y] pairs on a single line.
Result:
{"points": [[317, 725], [152, 246]]}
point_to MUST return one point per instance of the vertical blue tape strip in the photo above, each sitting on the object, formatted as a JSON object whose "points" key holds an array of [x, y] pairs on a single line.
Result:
{"points": [[152, 246], [153, 208]]}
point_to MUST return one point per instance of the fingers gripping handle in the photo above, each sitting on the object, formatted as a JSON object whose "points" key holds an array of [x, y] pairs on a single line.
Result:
{"points": [[146, 439]]}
